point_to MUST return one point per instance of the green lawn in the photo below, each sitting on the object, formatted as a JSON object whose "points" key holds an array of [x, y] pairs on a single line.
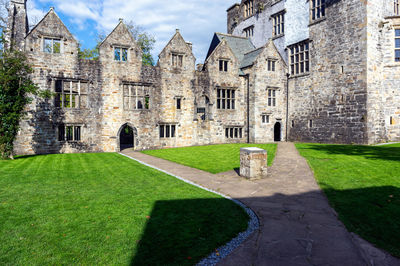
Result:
{"points": [[106, 209], [213, 158], [362, 183]]}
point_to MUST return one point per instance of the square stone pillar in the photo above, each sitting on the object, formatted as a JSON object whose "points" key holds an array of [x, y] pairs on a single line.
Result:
{"points": [[253, 163]]}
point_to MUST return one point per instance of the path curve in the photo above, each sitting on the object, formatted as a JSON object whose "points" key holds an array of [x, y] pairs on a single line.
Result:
{"points": [[297, 225]]}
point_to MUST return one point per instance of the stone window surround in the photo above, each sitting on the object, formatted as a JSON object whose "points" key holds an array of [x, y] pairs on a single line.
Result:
{"points": [[76, 127], [225, 64], [167, 130], [79, 94], [271, 64], [266, 118], [292, 65], [145, 98], [46, 37], [181, 98], [233, 132], [122, 47], [249, 31], [278, 21], [396, 37], [177, 59], [248, 8], [272, 95], [222, 98], [318, 10]]}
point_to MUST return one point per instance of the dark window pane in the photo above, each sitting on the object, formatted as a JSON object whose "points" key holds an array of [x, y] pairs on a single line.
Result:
{"points": [[117, 54], [397, 41], [61, 132], [231, 131], [397, 32], [78, 133], [178, 103], [227, 132], [173, 127], [240, 133], [140, 105], [167, 131], [233, 104], [70, 134], [161, 131]]}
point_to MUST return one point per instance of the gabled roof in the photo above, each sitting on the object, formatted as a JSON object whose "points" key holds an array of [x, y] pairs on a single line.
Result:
{"points": [[250, 57], [120, 24], [238, 45], [51, 11], [179, 36]]}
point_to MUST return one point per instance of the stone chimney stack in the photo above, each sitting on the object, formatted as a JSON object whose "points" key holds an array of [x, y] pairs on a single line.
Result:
{"points": [[17, 24]]}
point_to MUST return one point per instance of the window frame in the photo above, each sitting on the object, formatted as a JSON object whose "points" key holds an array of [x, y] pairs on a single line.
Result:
{"points": [[69, 132], [396, 7], [52, 39], [177, 59], [74, 97], [167, 130], [397, 45], [271, 64], [265, 118], [226, 99], [121, 54], [299, 55], [317, 10], [234, 132], [248, 8], [271, 94], [249, 31], [223, 64], [278, 24], [137, 97]]}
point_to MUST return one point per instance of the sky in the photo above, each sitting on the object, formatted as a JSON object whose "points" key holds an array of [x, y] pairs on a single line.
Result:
{"points": [[197, 20]]}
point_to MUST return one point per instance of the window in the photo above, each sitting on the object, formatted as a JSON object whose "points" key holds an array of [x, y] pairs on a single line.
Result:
{"points": [[71, 94], [391, 120], [177, 60], [120, 54], [249, 31], [178, 103], [225, 99], [136, 97], [69, 133], [248, 8], [167, 131], [271, 64], [299, 58], [271, 97], [317, 9], [310, 123], [223, 65], [52, 46], [265, 119], [396, 7], [397, 45], [292, 123], [278, 24], [234, 132]]}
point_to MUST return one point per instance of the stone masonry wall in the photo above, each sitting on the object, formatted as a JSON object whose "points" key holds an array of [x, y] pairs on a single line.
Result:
{"points": [[334, 93]]}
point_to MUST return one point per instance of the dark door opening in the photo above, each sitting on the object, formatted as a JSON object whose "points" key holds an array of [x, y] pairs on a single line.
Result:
{"points": [[126, 139], [277, 131]]}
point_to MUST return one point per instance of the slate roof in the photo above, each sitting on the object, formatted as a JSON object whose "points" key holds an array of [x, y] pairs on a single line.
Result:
{"points": [[250, 57], [239, 45]]}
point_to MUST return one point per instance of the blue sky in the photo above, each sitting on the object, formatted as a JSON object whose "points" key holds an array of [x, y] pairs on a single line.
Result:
{"points": [[196, 19]]}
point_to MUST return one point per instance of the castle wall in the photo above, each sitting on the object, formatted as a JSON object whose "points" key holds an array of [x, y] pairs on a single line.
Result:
{"points": [[329, 104], [383, 74]]}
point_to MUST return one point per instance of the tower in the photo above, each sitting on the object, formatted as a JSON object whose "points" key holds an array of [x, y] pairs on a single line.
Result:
{"points": [[17, 25]]}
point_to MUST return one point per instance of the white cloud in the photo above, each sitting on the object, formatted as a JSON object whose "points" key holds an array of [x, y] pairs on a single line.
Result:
{"points": [[197, 19]]}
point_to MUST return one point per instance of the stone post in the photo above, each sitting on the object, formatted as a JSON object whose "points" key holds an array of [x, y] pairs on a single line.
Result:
{"points": [[253, 163]]}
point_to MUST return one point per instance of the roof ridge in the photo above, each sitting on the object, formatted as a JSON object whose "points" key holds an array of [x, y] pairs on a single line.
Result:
{"points": [[259, 48], [231, 35]]}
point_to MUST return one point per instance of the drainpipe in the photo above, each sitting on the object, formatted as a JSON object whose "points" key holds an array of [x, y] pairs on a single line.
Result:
{"points": [[248, 107], [287, 104]]}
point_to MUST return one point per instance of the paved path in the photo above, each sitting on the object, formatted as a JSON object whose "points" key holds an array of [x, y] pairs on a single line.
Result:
{"points": [[297, 225]]}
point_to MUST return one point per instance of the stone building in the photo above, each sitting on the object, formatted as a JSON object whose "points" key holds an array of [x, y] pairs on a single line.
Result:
{"points": [[338, 61], [343, 60]]}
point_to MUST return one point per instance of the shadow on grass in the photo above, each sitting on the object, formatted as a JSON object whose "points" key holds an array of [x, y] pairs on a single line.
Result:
{"points": [[182, 232], [368, 152]]}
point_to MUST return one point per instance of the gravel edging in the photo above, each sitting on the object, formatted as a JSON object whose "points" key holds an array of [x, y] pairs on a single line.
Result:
{"points": [[226, 249]]}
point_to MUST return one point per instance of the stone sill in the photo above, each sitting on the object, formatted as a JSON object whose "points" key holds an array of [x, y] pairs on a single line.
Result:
{"points": [[299, 75], [392, 17], [393, 65], [278, 36], [319, 20]]}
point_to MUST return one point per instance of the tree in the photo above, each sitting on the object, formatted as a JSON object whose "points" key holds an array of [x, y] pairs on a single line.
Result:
{"points": [[16, 91], [143, 39]]}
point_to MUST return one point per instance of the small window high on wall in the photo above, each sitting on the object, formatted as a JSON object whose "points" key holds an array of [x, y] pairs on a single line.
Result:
{"points": [[317, 9], [120, 54], [397, 45], [52, 46]]}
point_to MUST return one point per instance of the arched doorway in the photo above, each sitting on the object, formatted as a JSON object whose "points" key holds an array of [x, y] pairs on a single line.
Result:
{"points": [[277, 131], [126, 137]]}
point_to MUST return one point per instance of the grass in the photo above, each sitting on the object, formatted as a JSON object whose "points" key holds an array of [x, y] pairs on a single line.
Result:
{"points": [[362, 183], [106, 209], [213, 158]]}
